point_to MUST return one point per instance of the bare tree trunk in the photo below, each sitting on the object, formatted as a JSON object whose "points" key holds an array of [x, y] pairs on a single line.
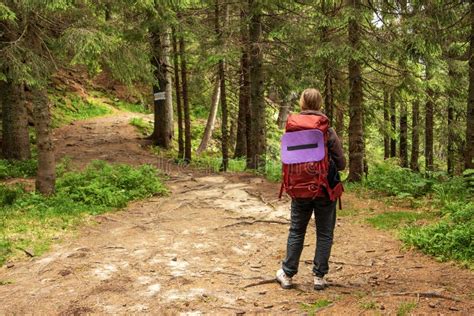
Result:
{"points": [[222, 66], [187, 116], [46, 176], [386, 121], [16, 140], [450, 138], [211, 120], [415, 136], [469, 151], [163, 106], [224, 127], [257, 157], [356, 99], [244, 87], [232, 132], [429, 109], [179, 107], [393, 121], [329, 97], [403, 135]]}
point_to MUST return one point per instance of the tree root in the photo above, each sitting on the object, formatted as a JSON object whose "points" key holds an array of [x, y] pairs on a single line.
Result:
{"points": [[255, 222], [268, 281], [432, 294]]}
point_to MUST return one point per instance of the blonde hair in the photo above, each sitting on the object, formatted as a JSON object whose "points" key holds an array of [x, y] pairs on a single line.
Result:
{"points": [[311, 99]]}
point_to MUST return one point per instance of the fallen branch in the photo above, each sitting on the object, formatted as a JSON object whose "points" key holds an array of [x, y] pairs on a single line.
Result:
{"points": [[199, 187], [351, 264], [255, 222], [260, 197], [268, 281], [422, 294]]}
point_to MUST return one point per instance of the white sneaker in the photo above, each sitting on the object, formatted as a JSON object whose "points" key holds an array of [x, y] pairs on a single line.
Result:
{"points": [[319, 283], [283, 279]]}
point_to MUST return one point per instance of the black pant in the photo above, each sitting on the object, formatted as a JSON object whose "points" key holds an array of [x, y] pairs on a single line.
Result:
{"points": [[325, 216]]}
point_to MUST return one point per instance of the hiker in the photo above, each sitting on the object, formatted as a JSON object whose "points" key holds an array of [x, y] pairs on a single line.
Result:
{"points": [[312, 155]]}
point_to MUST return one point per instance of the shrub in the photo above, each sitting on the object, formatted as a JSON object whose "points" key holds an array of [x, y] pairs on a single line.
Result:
{"points": [[132, 107], [450, 238], [394, 180], [30, 220], [18, 169], [145, 128]]}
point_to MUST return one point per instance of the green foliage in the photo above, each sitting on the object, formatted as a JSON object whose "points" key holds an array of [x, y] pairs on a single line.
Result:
{"points": [[213, 163], [313, 308], [6, 13], [405, 308], [450, 238], [368, 305], [468, 176], [131, 107], [398, 219], [31, 221], [18, 169], [9, 194], [69, 108], [273, 170], [145, 128], [394, 180]]}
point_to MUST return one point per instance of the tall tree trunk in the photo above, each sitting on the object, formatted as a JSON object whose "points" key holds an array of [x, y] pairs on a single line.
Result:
{"points": [[329, 97], [469, 151], [386, 121], [429, 109], [187, 116], [403, 135], [256, 160], [211, 120], [450, 138], [356, 98], [244, 88], [224, 127], [179, 107], [328, 80], [16, 140], [415, 136], [393, 123], [163, 106], [46, 176], [232, 132], [339, 107]]}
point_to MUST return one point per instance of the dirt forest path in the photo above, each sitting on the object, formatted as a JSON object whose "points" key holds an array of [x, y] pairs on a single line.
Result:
{"points": [[213, 246]]}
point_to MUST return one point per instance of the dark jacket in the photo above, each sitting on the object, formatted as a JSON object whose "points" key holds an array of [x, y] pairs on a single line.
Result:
{"points": [[336, 152]]}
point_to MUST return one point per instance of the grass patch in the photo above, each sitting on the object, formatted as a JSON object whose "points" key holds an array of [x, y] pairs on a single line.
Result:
{"points": [[18, 169], [5, 282], [368, 305], [131, 107], [394, 220], [144, 127], [312, 308], [69, 108], [32, 221], [445, 234], [405, 308], [347, 212]]}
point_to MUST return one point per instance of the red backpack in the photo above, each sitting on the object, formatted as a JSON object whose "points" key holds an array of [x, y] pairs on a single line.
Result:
{"points": [[305, 158]]}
